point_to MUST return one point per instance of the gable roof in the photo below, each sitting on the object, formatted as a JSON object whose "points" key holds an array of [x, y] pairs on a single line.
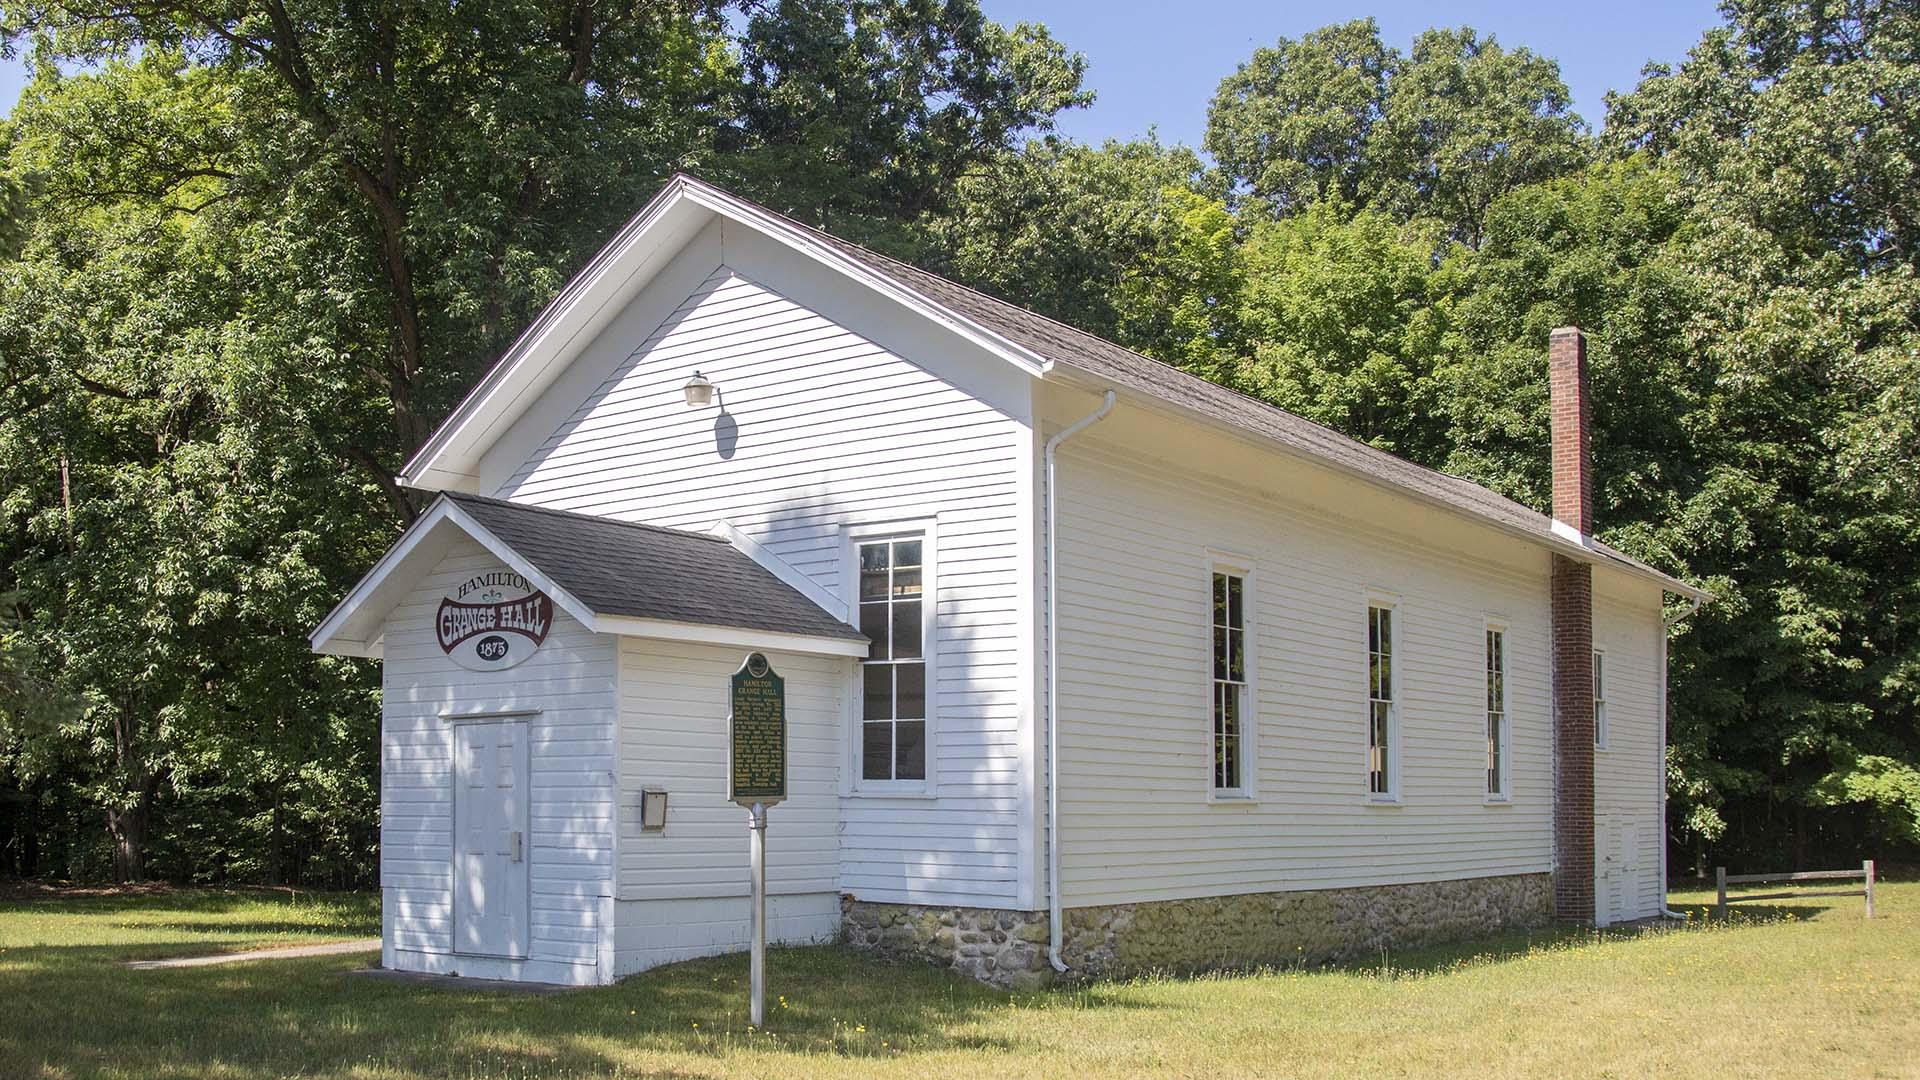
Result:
{"points": [[613, 576], [1033, 342]]}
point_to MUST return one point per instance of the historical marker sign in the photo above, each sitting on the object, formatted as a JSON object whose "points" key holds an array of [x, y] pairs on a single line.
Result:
{"points": [[757, 734]]}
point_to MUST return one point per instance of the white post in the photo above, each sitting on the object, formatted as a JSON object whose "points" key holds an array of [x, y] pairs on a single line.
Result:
{"points": [[757, 966]]}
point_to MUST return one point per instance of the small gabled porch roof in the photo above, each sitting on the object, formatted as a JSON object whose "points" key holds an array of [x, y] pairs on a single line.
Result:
{"points": [[614, 577]]}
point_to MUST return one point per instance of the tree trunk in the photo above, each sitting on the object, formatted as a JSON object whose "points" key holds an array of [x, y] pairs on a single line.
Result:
{"points": [[128, 831]]}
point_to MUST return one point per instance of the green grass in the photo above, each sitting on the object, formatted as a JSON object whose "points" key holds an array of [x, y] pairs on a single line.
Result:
{"points": [[1803, 989]]}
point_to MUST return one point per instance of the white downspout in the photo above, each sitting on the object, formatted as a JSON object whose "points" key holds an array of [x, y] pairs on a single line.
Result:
{"points": [[1054, 929], [1666, 625]]}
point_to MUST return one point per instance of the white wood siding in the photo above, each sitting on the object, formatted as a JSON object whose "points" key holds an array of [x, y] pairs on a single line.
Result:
{"points": [[831, 429], [1629, 775], [570, 680], [1134, 580]]}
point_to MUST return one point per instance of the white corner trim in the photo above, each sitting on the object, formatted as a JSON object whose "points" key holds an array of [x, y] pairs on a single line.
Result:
{"points": [[780, 568], [705, 634]]}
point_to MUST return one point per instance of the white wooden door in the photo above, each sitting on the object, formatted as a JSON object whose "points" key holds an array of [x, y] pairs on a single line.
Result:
{"points": [[1617, 892], [490, 895], [1608, 869]]}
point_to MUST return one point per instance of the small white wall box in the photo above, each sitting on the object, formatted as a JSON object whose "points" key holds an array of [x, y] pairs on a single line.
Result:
{"points": [[653, 809]]}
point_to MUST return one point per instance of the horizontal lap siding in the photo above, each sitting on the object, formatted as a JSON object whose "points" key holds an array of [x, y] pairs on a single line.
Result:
{"points": [[570, 680], [1135, 706], [673, 708], [832, 430], [1628, 774]]}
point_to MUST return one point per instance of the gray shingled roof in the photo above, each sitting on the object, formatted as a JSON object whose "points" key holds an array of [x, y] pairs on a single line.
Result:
{"points": [[1125, 369], [647, 572]]}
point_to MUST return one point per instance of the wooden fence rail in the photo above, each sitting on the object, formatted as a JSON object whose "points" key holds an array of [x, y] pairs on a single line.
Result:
{"points": [[1723, 879]]}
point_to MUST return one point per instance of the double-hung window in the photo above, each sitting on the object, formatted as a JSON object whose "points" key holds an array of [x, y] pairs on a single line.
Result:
{"points": [[1383, 707], [1229, 683], [893, 712], [1599, 700], [1496, 713]]}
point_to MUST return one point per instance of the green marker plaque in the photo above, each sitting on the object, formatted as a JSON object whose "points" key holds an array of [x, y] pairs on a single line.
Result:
{"points": [[757, 734]]}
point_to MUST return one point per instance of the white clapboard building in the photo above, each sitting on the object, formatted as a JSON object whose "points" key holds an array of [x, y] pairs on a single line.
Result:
{"points": [[1090, 665]]}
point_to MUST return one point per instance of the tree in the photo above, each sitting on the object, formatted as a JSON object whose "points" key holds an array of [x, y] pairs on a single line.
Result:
{"points": [[1293, 124], [1341, 327], [264, 247], [864, 114], [1466, 121]]}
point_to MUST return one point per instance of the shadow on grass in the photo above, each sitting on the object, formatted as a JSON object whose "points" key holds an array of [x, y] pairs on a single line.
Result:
{"points": [[289, 1016]]}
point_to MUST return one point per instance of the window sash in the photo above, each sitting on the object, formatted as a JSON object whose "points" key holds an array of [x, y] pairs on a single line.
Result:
{"points": [[1381, 703], [1600, 699], [892, 601], [1229, 707], [1496, 713]]}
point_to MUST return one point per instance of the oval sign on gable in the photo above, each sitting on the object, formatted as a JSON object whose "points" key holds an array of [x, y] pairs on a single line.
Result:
{"points": [[493, 621]]}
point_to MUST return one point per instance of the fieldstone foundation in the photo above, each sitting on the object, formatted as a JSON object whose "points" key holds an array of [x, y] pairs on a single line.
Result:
{"points": [[1009, 948]]}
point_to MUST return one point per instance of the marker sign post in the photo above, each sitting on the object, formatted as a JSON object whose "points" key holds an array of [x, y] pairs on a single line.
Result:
{"points": [[756, 779]]}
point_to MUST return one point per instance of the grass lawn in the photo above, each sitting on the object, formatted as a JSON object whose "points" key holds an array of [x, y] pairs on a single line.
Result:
{"points": [[1808, 989]]}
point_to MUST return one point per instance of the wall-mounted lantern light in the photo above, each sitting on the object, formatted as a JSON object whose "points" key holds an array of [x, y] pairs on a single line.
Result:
{"points": [[699, 392], [653, 807]]}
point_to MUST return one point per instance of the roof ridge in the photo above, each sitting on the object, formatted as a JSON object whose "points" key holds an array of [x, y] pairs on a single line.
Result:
{"points": [[465, 496]]}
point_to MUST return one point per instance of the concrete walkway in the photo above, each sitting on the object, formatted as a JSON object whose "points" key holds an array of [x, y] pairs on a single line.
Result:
{"points": [[289, 952]]}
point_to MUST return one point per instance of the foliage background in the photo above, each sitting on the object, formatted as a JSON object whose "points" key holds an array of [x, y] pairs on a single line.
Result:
{"points": [[251, 252]]}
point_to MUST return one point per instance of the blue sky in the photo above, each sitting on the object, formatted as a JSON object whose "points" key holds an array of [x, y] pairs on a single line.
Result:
{"points": [[1151, 67]]}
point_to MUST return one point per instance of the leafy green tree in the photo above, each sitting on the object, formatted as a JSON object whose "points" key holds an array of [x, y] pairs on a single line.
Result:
{"points": [[264, 247], [1293, 124], [857, 110], [1341, 326], [1464, 122], [1118, 241]]}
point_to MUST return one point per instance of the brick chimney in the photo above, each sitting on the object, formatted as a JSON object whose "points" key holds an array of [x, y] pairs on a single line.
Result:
{"points": [[1572, 586]]}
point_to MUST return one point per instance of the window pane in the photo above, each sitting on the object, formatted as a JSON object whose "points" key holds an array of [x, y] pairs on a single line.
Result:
{"points": [[878, 698], [1219, 599], [1219, 652], [912, 691], [873, 623], [910, 750], [906, 583], [876, 751], [906, 553], [873, 571], [1236, 614], [1237, 655], [906, 629], [1373, 629], [1386, 678]]}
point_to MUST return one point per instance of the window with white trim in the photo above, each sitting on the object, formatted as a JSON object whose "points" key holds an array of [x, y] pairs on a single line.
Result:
{"points": [[1599, 700], [893, 710], [1229, 682], [1496, 713], [1383, 709]]}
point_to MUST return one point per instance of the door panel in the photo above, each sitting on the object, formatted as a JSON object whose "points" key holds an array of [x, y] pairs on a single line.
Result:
{"points": [[490, 838]]}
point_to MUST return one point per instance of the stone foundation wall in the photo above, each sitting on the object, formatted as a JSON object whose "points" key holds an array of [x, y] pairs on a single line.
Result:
{"points": [[1009, 948]]}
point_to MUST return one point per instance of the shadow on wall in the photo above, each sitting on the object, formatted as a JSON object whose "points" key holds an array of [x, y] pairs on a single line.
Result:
{"points": [[726, 434]]}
